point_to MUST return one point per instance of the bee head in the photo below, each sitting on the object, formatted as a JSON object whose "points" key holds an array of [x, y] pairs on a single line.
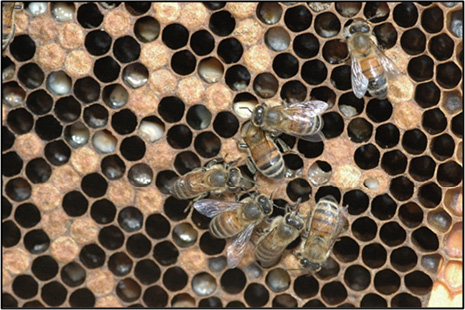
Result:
{"points": [[218, 178], [234, 178], [312, 267], [356, 26], [292, 220], [265, 204], [257, 115], [252, 211]]}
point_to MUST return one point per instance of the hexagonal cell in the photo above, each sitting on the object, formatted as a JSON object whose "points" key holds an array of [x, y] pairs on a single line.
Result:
{"points": [[386, 34], [374, 255], [392, 234], [277, 39], [376, 11], [155, 297], [440, 220], [403, 259], [269, 13], [319, 173], [334, 293], [329, 270], [31, 75], [327, 25], [394, 162], [210, 70], [411, 214], [405, 300], [405, 14], [357, 277], [346, 249], [306, 286], [421, 68], [359, 130], [448, 75], [297, 18], [13, 95], [425, 240], [413, 41], [455, 23], [306, 45], [432, 19], [387, 282], [427, 94], [222, 23], [348, 9], [372, 300], [175, 279], [256, 295], [147, 29], [453, 200]]}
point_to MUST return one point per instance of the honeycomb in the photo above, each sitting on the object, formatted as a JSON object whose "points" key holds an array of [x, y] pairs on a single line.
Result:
{"points": [[103, 104]]}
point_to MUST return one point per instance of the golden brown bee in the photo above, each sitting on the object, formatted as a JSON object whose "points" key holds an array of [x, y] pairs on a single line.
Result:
{"points": [[324, 224], [264, 155], [8, 21], [282, 231], [300, 119], [235, 220], [216, 177], [371, 68]]}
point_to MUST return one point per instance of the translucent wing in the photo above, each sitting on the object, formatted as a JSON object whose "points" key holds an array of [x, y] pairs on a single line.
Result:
{"points": [[389, 67], [212, 207], [359, 80], [310, 108], [236, 249], [316, 137]]}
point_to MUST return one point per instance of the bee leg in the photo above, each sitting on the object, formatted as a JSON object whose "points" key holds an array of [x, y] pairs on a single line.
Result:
{"points": [[250, 165], [212, 162], [241, 144], [283, 145], [189, 207]]}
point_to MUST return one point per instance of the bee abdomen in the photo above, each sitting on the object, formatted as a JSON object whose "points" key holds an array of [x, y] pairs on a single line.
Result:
{"points": [[273, 168], [182, 190], [378, 87], [267, 253], [225, 226]]}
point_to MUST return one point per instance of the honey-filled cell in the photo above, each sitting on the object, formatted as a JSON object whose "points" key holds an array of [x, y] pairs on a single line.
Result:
{"points": [[153, 91]]}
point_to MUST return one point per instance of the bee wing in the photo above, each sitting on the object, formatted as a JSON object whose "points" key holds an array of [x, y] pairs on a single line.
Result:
{"points": [[212, 207], [389, 67], [236, 249], [310, 108], [359, 80], [316, 137]]}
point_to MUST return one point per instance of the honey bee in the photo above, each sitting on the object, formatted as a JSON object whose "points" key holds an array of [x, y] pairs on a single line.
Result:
{"points": [[300, 119], [282, 231], [371, 68], [324, 224], [235, 220], [264, 155], [216, 177], [8, 21]]}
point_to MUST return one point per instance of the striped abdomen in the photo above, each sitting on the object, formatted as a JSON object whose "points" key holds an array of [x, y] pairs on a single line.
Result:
{"points": [[299, 122], [323, 231], [267, 159], [227, 224], [374, 71], [273, 244], [193, 184]]}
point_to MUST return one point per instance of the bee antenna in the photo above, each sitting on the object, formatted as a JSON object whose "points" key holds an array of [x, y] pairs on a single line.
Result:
{"points": [[246, 108], [279, 207], [276, 187], [374, 16]]}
